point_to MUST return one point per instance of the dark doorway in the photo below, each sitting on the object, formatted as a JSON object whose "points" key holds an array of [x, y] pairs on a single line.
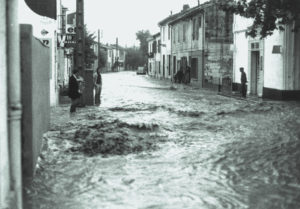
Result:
{"points": [[194, 68], [254, 71], [169, 64], [174, 65], [164, 63]]}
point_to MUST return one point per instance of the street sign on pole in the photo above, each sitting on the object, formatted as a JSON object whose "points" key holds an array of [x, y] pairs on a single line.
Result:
{"points": [[66, 40]]}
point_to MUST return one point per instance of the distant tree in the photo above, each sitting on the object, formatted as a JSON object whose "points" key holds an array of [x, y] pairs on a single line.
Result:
{"points": [[142, 36], [89, 54], [102, 58], [133, 57], [268, 15]]}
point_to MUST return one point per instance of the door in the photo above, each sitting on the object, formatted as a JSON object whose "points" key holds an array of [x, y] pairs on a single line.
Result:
{"points": [[194, 68], [255, 60], [164, 63], [169, 64], [174, 65]]}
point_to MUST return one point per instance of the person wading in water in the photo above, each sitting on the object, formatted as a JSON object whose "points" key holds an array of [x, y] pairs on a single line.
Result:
{"points": [[98, 86]]}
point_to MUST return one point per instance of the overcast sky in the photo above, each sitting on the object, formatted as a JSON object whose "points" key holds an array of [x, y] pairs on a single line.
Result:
{"points": [[123, 18]]}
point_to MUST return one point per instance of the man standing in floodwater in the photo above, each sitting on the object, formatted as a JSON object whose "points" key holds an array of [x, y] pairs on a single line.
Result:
{"points": [[98, 86], [243, 82], [74, 92]]}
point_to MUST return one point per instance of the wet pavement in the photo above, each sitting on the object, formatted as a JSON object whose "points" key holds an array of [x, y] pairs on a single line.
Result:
{"points": [[152, 145]]}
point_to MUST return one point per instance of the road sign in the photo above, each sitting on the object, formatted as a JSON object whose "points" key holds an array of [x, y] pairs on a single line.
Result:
{"points": [[66, 40], [44, 32], [46, 41], [71, 29]]}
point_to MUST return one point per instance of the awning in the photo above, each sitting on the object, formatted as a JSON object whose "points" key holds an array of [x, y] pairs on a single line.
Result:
{"points": [[43, 7]]}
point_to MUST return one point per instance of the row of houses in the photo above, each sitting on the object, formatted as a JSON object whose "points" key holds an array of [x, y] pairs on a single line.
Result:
{"points": [[214, 44], [114, 56]]}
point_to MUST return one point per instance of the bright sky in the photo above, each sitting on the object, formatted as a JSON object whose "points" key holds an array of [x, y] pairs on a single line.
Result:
{"points": [[116, 18], [123, 18]]}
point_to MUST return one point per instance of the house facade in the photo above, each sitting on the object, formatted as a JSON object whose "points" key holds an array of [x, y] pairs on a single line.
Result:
{"points": [[271, 64], [154, 48], [187, 42], [165, 37], [201, 38]]}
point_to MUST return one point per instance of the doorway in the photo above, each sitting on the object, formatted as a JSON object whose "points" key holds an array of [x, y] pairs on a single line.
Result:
{"points": [[194, 67], [255, 66], [164, 66]]}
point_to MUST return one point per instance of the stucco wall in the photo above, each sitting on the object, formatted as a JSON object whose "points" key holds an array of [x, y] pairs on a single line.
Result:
{"points": [[35, 68], [240, 56], [218, 53], [273, 63]]}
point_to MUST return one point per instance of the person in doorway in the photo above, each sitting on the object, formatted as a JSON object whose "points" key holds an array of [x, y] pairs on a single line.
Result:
{"points": [[187, 75], [98, 86], [243, 82], [74, 92], [179, 76]]}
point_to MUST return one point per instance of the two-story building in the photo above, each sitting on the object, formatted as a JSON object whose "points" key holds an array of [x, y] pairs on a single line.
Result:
{"points": [[271, 64], [165, 56], [202, 40], [154, 48]]}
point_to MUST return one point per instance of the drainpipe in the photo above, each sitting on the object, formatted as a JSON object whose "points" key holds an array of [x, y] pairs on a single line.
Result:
{"points": [[14, 101]]}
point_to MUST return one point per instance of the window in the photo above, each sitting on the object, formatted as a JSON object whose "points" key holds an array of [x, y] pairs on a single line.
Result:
{"points": [[194, 29], [178, 34], [184, 32], [174, 37], [169, 32], [158, 46]]}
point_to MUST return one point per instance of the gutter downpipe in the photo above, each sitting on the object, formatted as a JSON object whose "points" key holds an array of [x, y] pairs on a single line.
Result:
{"points": [[14, 102]]}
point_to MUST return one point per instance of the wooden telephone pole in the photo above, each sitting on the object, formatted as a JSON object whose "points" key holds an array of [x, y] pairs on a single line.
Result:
{"points": [[87, 97], [79, 57]]}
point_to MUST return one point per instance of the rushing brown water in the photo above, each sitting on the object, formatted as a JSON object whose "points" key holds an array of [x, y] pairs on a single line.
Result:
{"points": [[152, 146]]}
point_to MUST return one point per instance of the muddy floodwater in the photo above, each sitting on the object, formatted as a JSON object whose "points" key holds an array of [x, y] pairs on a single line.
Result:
{"points": [[151, 145]]}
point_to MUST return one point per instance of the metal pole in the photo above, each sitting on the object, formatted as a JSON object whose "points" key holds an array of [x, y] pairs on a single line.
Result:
{"points": [[14, 100]]}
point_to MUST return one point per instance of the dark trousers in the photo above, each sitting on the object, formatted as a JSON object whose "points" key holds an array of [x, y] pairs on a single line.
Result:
{"points": [[74, 104], [97, 95], [244, 90]]}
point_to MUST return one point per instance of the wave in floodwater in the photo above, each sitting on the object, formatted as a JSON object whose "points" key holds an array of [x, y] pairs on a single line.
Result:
{"points": [[114, 137], [144, 107]]}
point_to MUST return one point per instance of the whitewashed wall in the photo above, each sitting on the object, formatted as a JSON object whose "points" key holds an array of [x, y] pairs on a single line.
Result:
{"points": [[273, 63]]}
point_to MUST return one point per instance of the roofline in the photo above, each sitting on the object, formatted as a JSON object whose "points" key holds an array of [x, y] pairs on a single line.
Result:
{"points": [[157, 34], [192, 11]]}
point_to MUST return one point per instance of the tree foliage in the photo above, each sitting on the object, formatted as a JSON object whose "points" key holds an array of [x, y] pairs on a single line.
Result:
{"points": [[134, 58], [142, 36], [102, 58], [268, 15], [89, 54]]}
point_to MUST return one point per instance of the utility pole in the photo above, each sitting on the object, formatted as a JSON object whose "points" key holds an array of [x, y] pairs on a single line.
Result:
{"points": [[98, 48], [87, 97], [117, 54], [79, 57]]}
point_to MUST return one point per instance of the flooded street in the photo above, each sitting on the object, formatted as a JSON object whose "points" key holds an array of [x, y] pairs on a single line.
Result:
{"points": [[151, 145]]}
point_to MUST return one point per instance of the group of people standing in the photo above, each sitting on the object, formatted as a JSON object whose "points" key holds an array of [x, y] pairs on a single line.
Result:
{"points": [[76, 87]]}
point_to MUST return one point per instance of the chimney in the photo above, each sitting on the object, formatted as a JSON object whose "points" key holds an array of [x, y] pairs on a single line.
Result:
{"points": [[171, 12], [185, 7]]}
